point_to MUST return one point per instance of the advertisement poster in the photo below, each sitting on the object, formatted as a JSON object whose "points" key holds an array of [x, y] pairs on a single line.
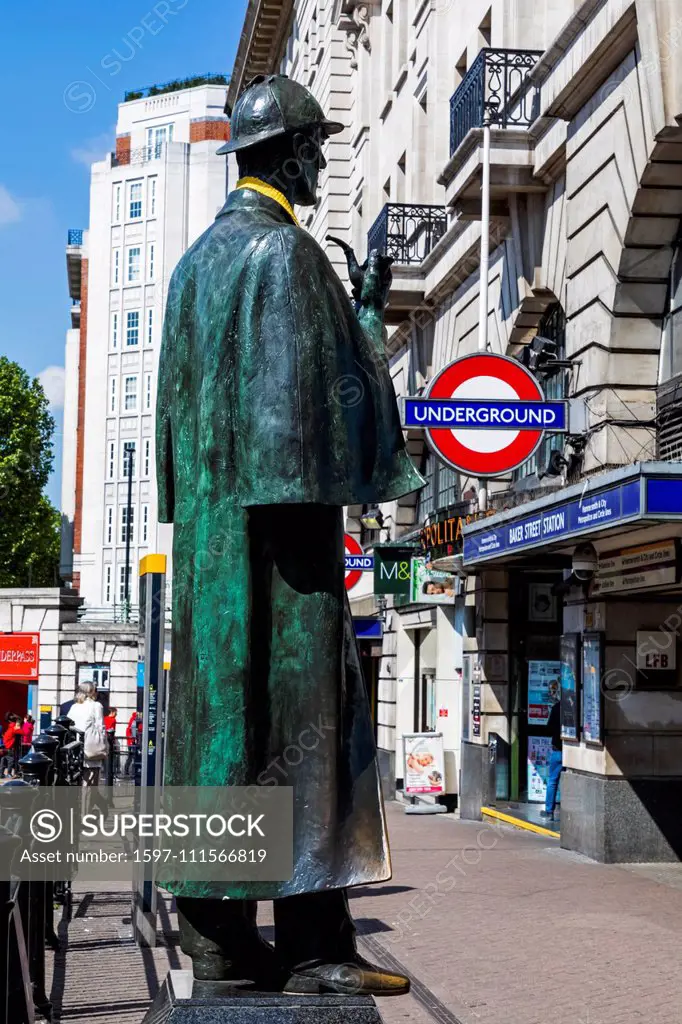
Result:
{"points": [[592, 698], [429, 586], [539, 750], [424, 770], [570, 718], [544, 688]]}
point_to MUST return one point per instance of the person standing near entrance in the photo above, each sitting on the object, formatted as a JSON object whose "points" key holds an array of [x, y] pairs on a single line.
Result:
{"points": [[555, 760]]}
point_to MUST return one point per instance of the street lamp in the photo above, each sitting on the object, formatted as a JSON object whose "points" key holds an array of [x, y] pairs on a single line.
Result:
{"points": [[373, 518]]}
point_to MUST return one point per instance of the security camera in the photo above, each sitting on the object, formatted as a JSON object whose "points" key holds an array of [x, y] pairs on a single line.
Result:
{"points": [[585, 562]]}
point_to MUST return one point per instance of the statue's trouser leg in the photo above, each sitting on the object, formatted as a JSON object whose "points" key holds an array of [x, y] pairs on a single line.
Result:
{"points": [[314, 926], [219, 935]]}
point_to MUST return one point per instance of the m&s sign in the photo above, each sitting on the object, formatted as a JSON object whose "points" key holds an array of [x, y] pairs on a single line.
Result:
{"points": [[392, 570]]}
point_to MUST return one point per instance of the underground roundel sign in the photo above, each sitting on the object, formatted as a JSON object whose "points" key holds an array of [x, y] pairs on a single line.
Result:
{"points": [[357, 561], [485, 414]]}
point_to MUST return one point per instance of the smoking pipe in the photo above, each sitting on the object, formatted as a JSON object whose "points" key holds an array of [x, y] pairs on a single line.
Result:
{"points": [[356, 271]]}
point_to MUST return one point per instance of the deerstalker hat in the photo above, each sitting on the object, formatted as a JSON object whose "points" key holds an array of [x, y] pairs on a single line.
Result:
{"points": [[273, 105]]}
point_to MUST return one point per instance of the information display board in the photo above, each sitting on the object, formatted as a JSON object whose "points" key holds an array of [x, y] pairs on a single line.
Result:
{"points": [[539, 751], [424, 763], [544, 685], [570, 686], [592, 671]]}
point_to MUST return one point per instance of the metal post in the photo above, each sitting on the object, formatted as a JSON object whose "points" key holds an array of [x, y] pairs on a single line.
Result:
{"points": [[128, 450], [484, 269]]}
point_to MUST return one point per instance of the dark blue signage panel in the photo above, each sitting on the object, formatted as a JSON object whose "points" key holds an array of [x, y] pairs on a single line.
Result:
{"points": [[582, 515], [368, 629], [475, 414], [664, 496]]}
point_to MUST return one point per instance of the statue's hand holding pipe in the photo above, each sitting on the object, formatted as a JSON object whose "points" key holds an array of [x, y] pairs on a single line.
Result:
{"points": [[377, 280]]}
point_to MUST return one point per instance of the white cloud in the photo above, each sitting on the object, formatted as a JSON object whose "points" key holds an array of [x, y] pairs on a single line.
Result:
{"points": [[10, 211], [93, 149], [52, 379]]}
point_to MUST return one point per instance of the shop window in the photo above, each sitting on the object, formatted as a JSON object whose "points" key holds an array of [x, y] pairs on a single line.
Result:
{"points": [[554, 385], [441, 490], [670, 361]]}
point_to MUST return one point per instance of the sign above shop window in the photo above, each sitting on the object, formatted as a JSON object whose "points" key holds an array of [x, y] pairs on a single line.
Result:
{"points": [[639, 568], [429, 586], [441, 535], [485, 414], [392, 570], [19, 657], [656, 650]]}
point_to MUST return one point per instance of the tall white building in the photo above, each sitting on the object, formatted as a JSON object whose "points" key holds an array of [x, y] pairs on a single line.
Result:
{"points": [[149, 201]]}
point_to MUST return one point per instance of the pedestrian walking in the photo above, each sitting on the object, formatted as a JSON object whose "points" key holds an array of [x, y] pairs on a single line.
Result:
{"points": [[27, 733], [11, 739], [112, 746], [555, 761], [132, 735], [87, 715]]}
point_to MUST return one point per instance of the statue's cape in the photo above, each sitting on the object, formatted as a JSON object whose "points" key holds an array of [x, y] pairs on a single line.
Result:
{"points": [[270, 389]]}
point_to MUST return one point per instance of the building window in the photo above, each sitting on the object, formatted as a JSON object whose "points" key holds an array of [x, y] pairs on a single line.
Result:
{"points": [[132, 328], [150, 326], [130, 394], [156, 140], [112, 459], [116, 267], [110, 525], [128, 454], [112, 404], [107, 584], [148, 391], [552, 327], [152, 197], [124, 524], [117, 204], [151, 261], [145, 523], [134, 264], [114, 330], [124, 576], [135, 203], [147, 448]]}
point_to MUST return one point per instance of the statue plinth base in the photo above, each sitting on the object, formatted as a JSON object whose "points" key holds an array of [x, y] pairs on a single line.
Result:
{"points": [[181, 1000]]}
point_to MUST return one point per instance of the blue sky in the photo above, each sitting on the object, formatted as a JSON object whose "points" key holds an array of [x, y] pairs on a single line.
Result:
{"points": [[58, 113]]}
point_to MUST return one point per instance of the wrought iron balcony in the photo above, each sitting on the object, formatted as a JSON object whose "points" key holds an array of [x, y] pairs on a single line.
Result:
{"points": [[497, 83], [406, 232], [75, 236]]}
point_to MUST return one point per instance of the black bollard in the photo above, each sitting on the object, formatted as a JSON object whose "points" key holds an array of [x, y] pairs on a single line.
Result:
{"points": [[35, 768], [47, 745]]}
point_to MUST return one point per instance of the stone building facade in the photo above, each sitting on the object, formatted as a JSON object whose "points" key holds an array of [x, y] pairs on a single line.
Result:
{"points": [[585, 101]]}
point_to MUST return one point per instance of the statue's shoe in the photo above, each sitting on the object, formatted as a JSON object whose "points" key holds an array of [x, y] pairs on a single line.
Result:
{"points": [[260, 968], [356, 977]]}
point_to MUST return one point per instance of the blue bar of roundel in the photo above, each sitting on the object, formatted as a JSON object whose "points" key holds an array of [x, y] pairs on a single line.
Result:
{"points": [[479, 414], [664, 496], [363, 562]]}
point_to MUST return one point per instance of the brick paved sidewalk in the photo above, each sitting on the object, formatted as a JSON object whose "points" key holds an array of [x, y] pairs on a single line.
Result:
{"points": [[497, 927]]}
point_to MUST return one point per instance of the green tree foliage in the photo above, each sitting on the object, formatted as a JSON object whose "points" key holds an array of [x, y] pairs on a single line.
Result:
{"points": [[29, 524]]}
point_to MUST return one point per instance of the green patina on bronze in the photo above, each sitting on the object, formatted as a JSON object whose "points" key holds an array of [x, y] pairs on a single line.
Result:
{"points": [[275, 410]]}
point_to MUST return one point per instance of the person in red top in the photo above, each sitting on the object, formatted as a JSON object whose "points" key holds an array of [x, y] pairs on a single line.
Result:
{"points": [[27, 733], [132, 733], [11, 739]]}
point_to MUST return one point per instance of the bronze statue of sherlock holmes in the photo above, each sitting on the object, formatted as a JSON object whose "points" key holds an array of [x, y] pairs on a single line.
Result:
{"points": [[275, 409]]}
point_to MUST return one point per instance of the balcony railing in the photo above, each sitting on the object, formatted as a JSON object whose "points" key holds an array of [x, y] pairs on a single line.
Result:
{"points": [[141, 155], [407, 233], [75, 236], [497, 83]]}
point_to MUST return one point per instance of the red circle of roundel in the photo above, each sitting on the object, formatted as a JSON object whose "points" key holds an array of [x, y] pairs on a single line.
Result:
{"points": [[452, 451], [352, 548]]}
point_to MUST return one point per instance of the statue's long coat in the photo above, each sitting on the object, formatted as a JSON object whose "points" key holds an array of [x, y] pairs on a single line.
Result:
{"points": [[272, 393]]}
